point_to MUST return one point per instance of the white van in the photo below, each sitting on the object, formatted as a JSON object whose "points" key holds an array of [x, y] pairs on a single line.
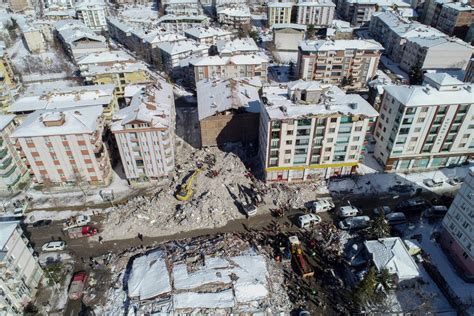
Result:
{"points": [[320, 206], [54, 246], [308, 220], [348, 211]]}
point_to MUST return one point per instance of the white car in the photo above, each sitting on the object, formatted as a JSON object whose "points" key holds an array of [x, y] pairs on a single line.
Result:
{"points": [[432, 183], [54, 246], [308, 220], [320, 206]]}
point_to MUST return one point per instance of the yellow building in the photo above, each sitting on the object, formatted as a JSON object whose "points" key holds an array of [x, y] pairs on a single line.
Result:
{"points": [[279, 13], [9, 83]]}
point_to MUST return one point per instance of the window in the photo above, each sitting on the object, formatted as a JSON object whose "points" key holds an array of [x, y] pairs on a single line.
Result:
{"points": [[332, 130], [358, 128], [356, 138], [288, 151], [327, 149], [289, 142], [289, 132], [333, 119], [420, 120]]}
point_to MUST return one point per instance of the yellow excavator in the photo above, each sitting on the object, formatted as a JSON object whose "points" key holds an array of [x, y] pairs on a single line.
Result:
{"points": [[185, 191]]}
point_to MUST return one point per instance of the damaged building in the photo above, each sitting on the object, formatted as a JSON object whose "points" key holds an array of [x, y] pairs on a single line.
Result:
{"points": [[228, 110], [310, 131]]}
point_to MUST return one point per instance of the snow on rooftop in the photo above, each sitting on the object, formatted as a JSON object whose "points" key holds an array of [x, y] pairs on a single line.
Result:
{"points": [[223, 299], [182, 47], [105, 57], [206, 31], [71, 121], [317, 3], [279, 26], [235, 59], [74, 30], [239, 11], [149, 277], [390, 253], [216, 96], [5, 119], [329, 45], [238, 45], [459, 6], [65, 97], [6, 230], [127, 67], [333, 100]]}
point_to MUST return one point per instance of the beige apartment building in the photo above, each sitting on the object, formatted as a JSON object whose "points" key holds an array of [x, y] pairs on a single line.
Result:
{"points": [[426, 127], [455, 19], [279, 13], [311, 131], [65, 147], [344, 62]]}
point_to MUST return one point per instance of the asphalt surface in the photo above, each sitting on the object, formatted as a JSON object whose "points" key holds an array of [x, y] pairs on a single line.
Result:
{"points": [[84, 248]]}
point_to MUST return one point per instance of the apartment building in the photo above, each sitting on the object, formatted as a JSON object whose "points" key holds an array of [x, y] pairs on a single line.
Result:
{"points": [[234, 16], [9, 82], [359, 12], [435, 53], [19, 5], [279, 13], [455, 19], [238, 46], [67, 4], [67, 98], [345, 62], [469, 77], [65, 147], [237, 66], [33, 38], [457, 237], [78, 40], [431, 10], [173, 53], [144, 134], [310, 131], [319, 13], [12, 168], [20, 272], [180, 23], [426, 126], [92, 13], [287, 37], [183, 7], [208, 35]]}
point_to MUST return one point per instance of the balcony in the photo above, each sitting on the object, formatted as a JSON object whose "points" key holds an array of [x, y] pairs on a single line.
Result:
{"points": [[6, 163], [3, 153]]}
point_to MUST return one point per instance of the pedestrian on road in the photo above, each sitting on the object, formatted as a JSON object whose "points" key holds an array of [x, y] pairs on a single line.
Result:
{"points": [[100, 240], [140, 236], [82, 260]]}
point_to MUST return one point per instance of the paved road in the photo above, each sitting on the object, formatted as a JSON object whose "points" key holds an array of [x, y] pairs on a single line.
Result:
{"points": [[90, 247]]}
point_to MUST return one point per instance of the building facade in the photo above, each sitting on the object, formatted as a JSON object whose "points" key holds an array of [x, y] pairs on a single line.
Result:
{"points": [[92, 13], [425, 127], [279, 13], [20, 272], [287, 37], [319, 13], [345, 62], [455, 19], [9, 82], [235, 16], [65, 147], [144, 134], [458, 235], [12, 168], [312, 131]]}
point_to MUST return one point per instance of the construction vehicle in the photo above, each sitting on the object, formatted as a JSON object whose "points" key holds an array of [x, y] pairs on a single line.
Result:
{"points": [[298, 257], [185, 191]]}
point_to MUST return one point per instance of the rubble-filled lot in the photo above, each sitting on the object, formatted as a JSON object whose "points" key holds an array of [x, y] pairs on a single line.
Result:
{"points": [[214, 275], [218, 191]]}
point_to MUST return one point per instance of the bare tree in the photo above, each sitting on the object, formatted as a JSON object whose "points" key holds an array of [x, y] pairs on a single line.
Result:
{"points": [[81, 182]]}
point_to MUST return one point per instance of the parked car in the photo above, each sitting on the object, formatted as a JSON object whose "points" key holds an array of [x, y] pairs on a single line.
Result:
{"points": [[455, 181], [77, 285], [355, 255], [433, 183], [382, 210], [76, 221], [436, 211], [308, 220], [357, 222], [54, 246], [41, 222], [403, 189], [396, 218], [348, 211], [319, 206], [412, 205]]}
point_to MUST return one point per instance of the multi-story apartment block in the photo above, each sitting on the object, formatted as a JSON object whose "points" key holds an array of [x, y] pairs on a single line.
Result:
{"points": [[9, 82], [173, 53], [33, 38], [20, 272], [458, 235], [431, 10], [65, 147], [319, 13], [180, 23], [12, 168], [92, 13], [183, 7], [144, 134], [238, 46], [279, 13], [287, 37], [346, 62], [435, 53], [427, 126], [310, 131], [19, 5], [208, 35], [359, 12], [66, 98], [67, 4], [469, 77], [78, 40], [455, 19], [234, 16], [237, 66]]}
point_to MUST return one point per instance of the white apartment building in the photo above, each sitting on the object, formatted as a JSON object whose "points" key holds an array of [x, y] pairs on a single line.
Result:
{"points": [[359, 12], [279, 13], [427, 126], [458, 236], [173, 53], [238, 46], [235, 16], [180, 23], [347, 62], [12, 168], [20, 273], [310, 131], [92, 13], [65, 147], [319, 13], [183, 7], [144, 133], [208, 35], [68, 4], [237, 66]]}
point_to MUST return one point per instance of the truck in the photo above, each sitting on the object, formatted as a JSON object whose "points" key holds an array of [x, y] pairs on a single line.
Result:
{"points": [[298, 257], [84, 231], [76, 221], [77, 285]]}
